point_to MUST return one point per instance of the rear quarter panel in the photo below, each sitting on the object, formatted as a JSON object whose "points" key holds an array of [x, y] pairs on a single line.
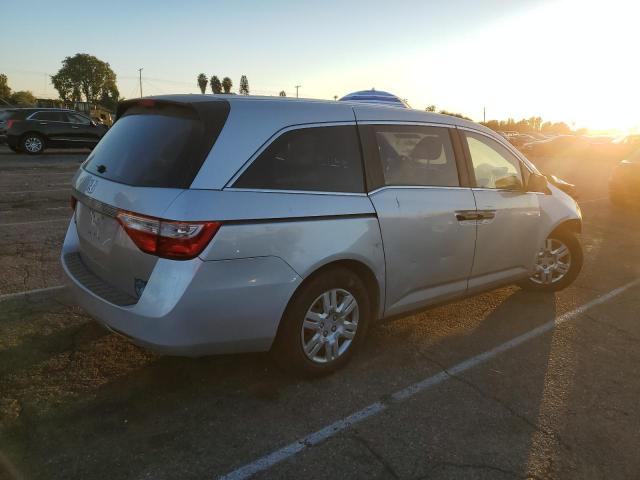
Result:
{"points": [[307, 231]]}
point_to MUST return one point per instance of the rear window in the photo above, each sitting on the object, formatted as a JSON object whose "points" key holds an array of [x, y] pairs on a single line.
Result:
{"points": [[325, 159], [159, 144]]}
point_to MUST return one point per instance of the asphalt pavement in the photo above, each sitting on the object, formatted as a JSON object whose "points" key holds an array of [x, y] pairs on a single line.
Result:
{"points": [[506, 384]]}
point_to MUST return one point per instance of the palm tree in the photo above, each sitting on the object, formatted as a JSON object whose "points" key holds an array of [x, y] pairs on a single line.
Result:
{"points": [[227, 84], [216, 86], [244, 85], [202, 82]]}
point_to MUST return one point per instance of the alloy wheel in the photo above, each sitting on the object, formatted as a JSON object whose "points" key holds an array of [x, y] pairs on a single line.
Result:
{"points": [[553, 262], [330, 326], [33, 144]]}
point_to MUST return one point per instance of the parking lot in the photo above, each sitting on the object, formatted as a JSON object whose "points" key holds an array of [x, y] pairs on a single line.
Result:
{"points": [[507, 384]]}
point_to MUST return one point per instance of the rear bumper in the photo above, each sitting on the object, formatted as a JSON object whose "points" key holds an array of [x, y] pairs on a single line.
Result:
{"points": [[195, 308]]}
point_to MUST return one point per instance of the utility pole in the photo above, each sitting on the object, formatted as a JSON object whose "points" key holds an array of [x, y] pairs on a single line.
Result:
{"points": [[297, 87], [140, 72]]}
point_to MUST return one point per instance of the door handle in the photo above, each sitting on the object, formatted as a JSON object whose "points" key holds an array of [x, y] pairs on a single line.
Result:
{"points": [[467, 215], [74, 127], [487, 214]]}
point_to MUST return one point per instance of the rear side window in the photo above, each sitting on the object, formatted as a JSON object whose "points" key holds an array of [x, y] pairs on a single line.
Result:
{"points": [[325, 159], [415, 155], [49, 116], [158, 144]]}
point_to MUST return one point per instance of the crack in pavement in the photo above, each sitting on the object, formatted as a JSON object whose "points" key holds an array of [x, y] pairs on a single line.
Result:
{"points": [[479, 466], [628, 335], [388, 468], [548, 432]]}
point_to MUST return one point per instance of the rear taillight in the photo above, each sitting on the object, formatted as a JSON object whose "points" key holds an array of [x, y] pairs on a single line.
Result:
{"points": [[166, 238], [10, 123]]}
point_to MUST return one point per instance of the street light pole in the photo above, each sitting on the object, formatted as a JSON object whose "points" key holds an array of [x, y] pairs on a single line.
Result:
{"points": [[297, 87], [140, 72]]}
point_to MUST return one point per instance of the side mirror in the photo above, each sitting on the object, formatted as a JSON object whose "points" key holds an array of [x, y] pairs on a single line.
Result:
{"points": [[538, 183], [510, 182]]}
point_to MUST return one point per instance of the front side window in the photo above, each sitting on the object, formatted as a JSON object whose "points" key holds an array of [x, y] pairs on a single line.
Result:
{"points": [[415, 155], [78, 119], [494, 166], [323, 159], [49, 116]]}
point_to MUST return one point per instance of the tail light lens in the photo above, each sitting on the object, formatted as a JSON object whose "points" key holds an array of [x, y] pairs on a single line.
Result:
{"points": [[10, 123], [168, 239]]}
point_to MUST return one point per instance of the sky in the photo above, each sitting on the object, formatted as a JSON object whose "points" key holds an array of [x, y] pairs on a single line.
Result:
{"points": [[564, 60]]}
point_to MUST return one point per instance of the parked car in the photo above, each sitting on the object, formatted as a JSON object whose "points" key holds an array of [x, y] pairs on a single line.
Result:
{"points": [[301, 223], [624, 183], [552, 146], [32, 130]]}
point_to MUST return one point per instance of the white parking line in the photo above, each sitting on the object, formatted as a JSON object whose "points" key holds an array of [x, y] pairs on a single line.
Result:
{"points": [[34, 222], [292, 449], [9, 296]]}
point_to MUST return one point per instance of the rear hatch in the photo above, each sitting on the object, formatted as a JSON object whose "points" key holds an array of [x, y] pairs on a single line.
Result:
{"points": [[150, 155]]}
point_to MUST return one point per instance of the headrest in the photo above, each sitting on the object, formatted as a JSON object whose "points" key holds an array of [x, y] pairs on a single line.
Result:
{"points": [[429, 148]]}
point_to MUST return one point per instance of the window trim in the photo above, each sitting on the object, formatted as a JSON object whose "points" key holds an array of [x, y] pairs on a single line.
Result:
{"points": [[509, 148], [373, 164], [273, 138]]}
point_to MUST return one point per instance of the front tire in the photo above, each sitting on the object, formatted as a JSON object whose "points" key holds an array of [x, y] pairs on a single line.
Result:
{"points": [[558, 263], [324, 324], [32, 144]]}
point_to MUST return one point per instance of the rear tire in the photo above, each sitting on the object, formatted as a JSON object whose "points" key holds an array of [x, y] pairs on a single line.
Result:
{"points": [[324, 324], [556, 269], [32, 144]]}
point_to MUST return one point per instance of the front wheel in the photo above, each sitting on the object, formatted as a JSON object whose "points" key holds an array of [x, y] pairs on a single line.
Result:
{"points": [[558, 263], [324, 324]]}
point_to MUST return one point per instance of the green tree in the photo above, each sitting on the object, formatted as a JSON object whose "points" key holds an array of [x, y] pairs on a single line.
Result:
{"points": [[453, 114], [282, 93], [227, 84], [202, 82], [84, 75], [216, 86], [5, 90], [23, 97], [431, 108], [244, 85]]}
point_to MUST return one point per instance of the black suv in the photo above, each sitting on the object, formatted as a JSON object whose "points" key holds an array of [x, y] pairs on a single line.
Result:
{"points": [[31, 130]]}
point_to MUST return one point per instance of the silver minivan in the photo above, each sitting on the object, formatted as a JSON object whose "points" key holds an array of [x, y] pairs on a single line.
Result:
{"points": [[222, 224]]}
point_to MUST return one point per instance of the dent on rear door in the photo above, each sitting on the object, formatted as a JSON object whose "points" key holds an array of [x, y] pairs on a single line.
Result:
{"points": [[428, 251]]}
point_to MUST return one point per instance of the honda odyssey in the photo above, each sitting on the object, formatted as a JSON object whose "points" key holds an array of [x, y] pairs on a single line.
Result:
{"points": [[205, 224]]}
